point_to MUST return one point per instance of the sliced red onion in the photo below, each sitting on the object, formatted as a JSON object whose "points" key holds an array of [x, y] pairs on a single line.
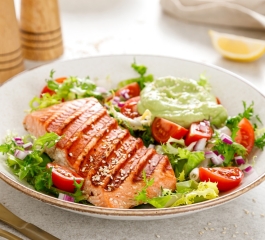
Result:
{"points": [[239, 160], [191, 146], [27, 146], [226, 139], [116, 99], [216, 152], [217, 160], [200, 145], [66, 197], [18, 141], [125, 94], [121, 104], [209, 154], [248, 169], [21, 154]]}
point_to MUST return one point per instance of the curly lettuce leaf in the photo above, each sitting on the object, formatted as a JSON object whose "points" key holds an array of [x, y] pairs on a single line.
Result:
{"points": [[188, 192], [33, 167], [71, 88], [182, 159]]}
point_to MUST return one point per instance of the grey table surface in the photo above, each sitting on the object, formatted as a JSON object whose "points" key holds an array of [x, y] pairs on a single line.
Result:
{"points": [[139, 26]]}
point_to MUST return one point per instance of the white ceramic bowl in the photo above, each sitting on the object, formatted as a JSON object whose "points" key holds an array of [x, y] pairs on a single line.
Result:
{"points": [[107, 71]]}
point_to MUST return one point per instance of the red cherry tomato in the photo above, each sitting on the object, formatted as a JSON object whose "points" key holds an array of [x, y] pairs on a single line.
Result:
{"points": [[245, 135], [226, 178], [130, 108], [63, 177], [163, 129], [196, 132], [132, 89], [51, 92]]}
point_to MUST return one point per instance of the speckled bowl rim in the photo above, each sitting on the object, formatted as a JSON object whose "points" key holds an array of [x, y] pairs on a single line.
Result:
{"points": [[134, 214]]}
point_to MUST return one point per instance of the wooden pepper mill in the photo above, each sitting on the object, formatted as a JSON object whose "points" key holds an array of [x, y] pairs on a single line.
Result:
{"points": [[11, 60], [40, 29]]}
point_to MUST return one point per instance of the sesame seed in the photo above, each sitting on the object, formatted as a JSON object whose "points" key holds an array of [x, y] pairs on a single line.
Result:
{"points": [[246, 211], [70, 154]]}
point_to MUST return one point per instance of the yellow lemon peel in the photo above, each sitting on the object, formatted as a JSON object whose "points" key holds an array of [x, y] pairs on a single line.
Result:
{"points": [[237, 48]]}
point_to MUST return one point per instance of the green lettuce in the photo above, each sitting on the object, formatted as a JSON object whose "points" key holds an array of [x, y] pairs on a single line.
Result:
{"points": [[187, 192], [181, 159]]}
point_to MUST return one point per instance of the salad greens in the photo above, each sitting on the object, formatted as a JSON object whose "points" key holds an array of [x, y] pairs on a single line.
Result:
{"points": [[71, 88], [26, 158], [32, 167], [183, 159], [187, 192], [142, 80]]}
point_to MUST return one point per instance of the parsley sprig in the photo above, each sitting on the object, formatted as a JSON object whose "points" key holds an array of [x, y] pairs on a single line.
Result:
{"points": [[232, 122], [142, 80]]}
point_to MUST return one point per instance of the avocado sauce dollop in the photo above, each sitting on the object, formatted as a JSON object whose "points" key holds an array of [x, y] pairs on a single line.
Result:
{"points": [[182, 101]]}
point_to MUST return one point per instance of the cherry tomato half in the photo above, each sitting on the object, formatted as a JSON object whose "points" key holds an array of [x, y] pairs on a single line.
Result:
{"points": [[63, 177], [245, 135], [163, 129], [132, 89], [130, 108], [196, 132], [51, 92], [226, 178]]}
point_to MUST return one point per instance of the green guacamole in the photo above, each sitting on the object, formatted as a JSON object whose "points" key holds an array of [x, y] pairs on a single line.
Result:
{"points": [[182, 101]]}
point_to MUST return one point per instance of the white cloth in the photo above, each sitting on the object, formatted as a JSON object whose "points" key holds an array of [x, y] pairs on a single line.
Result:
{"points": [[234, 13]]}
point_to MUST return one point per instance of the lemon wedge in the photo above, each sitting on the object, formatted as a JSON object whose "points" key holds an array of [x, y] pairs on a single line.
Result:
{"points": [[237, 48]]}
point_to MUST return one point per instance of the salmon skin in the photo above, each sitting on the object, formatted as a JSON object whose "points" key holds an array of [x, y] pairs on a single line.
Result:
{"points": [[106, 155]]}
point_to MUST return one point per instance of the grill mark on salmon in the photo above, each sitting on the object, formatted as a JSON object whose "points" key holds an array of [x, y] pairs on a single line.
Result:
{"points": [[68, 115], [149, 167], [121, 171], [115, 160], [88, 140], [96, 158], [72, 131], [92, 141]]}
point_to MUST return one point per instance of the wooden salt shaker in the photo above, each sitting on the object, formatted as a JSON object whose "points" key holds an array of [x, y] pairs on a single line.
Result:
{"points": [[11, 60], [40, 29]]}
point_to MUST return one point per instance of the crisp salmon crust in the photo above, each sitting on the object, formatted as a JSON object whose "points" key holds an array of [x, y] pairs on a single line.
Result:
{"points": [[106, 155]]}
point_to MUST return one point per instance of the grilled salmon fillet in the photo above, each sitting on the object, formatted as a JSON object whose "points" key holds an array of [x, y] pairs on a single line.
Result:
{"points": [[106, 155]]}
